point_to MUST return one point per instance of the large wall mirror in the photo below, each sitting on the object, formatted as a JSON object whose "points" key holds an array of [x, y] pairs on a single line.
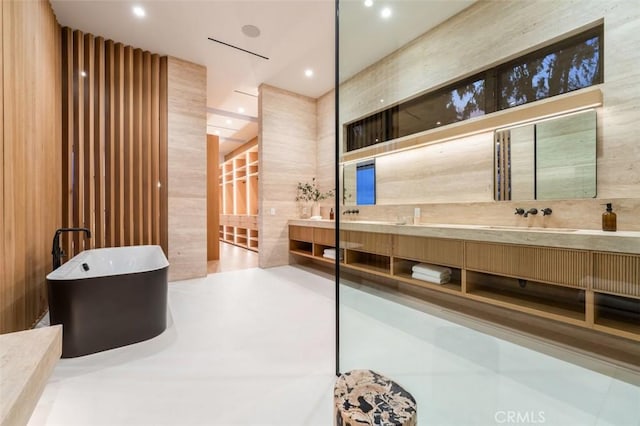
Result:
{"points": [[554, 159], [359, 180]]}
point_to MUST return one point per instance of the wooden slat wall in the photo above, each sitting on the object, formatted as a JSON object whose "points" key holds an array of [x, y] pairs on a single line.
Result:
{"points": [[29, 158], [114, 143]]}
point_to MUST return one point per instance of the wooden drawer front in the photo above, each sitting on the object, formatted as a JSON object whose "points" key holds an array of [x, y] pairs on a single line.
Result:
{"points": [[368, 242], [301, 233], [432, 250], [558, 266], [324, 236], [617, 273]]}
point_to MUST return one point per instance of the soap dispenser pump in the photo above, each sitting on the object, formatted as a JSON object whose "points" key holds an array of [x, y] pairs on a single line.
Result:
{"points": [[609, 219]]}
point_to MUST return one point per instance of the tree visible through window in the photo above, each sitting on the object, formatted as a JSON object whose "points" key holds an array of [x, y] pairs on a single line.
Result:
{"points": [[561, 71], [571, 64]]}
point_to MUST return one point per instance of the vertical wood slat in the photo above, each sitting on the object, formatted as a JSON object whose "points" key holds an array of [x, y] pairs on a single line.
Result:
{"points": [[78, 147], [163, 182], [127, 188], [155, 150], [67, 135], [114, 125], [136, 165], [110, 141], [87, 76], [118, 162], [53, 152], [147, 157], [99, 143], [32, 178]]}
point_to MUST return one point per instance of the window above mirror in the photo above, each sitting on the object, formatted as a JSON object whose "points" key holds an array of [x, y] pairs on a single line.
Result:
{"points": [[571, 64]]}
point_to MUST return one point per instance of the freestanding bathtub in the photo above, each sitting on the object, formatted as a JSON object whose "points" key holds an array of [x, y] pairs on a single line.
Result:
{"points": [[110, 297]]}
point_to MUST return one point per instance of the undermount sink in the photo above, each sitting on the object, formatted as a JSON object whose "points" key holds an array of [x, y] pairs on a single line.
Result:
{"points": [[374, 222], [527, 229]]}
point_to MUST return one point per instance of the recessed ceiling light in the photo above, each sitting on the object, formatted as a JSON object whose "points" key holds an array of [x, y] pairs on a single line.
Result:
{"points": [[381, 101], [251, 31], [368, 3], [139, 11], [438, 123], [83, 73], [228, 122], [241, 110], [308, 72], [386, 13]]}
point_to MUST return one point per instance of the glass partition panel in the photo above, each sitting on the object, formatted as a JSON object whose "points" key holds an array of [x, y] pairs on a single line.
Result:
{"points": [[377, 326], [457, 315]]}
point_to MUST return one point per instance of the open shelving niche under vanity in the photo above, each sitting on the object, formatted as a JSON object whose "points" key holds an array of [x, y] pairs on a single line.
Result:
{"points": [[593, 290]]}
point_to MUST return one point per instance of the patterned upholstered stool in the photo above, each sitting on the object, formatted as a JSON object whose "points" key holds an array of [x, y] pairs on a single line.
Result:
{"points": [[364, 397]]}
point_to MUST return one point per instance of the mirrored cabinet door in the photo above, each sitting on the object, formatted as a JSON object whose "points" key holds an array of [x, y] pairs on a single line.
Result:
{"points": [[554, 159]]}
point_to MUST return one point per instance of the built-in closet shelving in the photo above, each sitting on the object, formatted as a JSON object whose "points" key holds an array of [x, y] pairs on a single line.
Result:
{"points": [[239, 199]]}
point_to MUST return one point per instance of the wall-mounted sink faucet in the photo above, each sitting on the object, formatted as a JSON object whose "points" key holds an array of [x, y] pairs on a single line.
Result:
{"points": [[532, 210], [57, 251], [519, 211], [546, 211]]}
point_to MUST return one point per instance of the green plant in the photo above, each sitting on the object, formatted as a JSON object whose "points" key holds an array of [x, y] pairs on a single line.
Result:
{"points": [[310, 192]]}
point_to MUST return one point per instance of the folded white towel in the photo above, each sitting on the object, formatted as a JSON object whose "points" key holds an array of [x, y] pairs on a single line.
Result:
{"points": [[429, 278], [434, 275], [427, 268], [330, 253]]}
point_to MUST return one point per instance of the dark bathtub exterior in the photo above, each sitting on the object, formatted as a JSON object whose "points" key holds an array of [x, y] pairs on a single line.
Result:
{"points": [[103, 313]]}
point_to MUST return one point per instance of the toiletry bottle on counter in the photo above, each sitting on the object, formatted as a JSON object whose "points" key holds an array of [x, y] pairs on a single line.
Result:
{"points": [[609, 219], [416, 216], [331, 215]]}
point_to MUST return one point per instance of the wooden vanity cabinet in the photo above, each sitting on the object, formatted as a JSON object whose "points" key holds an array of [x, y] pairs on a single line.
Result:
{"points": [[367, 242], [440, 251], [591, 289], [616, 288], [566, 267]]}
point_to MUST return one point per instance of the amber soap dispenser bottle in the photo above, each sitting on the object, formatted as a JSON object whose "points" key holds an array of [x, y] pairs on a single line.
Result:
{"points": [[609, 219]]}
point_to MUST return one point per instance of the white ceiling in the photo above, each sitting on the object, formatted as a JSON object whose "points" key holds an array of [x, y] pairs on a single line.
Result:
{"points": [[295, 35]]}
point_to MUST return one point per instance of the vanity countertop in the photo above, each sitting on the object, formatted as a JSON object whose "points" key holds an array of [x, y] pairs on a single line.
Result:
{"points": [[585, 239], [27, 359]]}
